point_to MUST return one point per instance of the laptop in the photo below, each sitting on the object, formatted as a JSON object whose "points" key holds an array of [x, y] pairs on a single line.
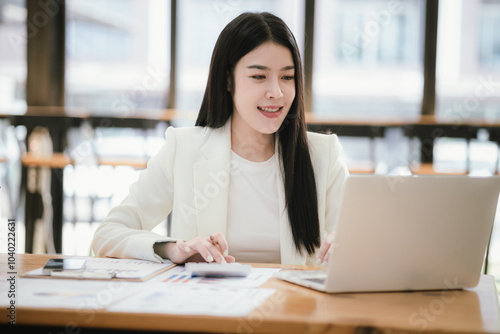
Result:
{"points": [[407, 233]]}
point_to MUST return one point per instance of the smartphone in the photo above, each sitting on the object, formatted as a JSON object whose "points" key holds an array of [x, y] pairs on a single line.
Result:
{"points": [[63, 264]]}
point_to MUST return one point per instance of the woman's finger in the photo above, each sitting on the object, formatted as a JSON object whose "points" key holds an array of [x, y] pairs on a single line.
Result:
{"points": [[323, 252], [222, 243]]}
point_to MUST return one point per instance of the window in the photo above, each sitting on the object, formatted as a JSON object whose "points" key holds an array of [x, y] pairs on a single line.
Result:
{"points": [[368, 58], [196, 41], [13, 38], [468, 61], [489, 40], [117, 55]]}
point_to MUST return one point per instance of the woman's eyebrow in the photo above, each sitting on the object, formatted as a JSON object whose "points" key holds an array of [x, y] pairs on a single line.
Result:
{"points": [[265, 68]]}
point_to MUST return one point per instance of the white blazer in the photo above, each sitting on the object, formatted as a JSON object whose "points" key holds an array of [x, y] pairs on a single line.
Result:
{"points": [[189, 176]]}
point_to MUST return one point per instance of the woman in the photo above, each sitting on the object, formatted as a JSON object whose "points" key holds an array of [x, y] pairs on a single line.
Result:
{"points": [[247, 183]]}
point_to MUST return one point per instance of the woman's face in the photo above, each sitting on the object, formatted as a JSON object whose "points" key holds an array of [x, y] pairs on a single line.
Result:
{"points": [[264, 89]]}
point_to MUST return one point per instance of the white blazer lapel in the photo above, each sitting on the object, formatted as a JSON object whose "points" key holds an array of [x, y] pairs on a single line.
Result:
{"points": [[211, 182]]}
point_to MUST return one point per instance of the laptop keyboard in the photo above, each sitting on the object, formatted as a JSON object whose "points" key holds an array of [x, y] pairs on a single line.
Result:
{"points": [[316, 280], [316, 276]]}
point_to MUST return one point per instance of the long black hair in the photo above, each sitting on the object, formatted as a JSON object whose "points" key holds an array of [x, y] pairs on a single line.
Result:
{"points": [[239, 37]]}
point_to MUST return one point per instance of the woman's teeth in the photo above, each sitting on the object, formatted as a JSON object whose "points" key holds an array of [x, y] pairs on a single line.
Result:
{"points": [[269, 109]]}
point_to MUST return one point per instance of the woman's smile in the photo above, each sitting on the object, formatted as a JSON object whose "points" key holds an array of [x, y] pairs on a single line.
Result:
{"points": [[271, 111]]}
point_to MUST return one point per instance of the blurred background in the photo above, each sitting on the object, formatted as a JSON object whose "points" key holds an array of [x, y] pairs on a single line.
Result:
{"points": [[88, 87]]}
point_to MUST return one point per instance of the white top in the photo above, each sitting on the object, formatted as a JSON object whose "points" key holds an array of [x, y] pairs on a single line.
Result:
{"points": [[253, 219]]}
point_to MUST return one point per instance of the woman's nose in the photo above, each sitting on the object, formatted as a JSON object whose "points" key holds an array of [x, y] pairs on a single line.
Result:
{"points": [[274, 90]]}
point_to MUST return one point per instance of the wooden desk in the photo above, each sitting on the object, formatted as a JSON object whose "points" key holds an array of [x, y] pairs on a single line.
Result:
{"points": [[293, 309]]}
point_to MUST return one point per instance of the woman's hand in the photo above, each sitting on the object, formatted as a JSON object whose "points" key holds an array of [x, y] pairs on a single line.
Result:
{"points": [[200, 249], [325, 249]]}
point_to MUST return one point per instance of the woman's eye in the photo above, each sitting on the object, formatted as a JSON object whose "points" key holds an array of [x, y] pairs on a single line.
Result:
{"points": [[258, 77], [288, 77]]}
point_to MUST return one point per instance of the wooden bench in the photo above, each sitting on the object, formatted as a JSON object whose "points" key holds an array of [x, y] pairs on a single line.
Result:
{"points": [[61, 160], [356, 170], [56, 160], [428, 169], [136, 163]]}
